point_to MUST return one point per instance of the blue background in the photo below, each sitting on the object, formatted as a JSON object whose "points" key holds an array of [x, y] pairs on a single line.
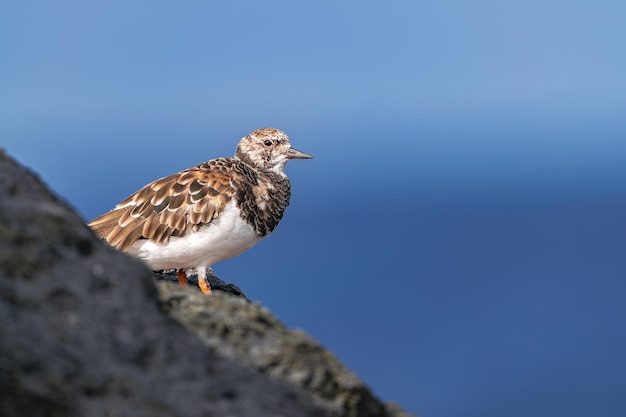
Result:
{"points": [[458, 240]]}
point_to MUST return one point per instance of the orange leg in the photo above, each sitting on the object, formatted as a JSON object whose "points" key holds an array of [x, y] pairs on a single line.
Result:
{"points": [[205, 286], [182, 277], [203, 282]]}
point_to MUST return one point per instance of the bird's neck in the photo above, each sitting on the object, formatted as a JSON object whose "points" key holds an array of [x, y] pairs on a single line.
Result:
{"points": [[278, 169]]}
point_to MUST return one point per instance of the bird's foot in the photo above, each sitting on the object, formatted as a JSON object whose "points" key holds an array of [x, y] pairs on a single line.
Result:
{"points": [[204, 285], [203, 282]]}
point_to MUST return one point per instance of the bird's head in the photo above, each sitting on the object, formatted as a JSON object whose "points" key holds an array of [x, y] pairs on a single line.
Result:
{"points": [[268, 149]]}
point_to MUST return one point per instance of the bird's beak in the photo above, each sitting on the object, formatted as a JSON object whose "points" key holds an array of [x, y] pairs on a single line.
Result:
{"points": [[296, 154]]}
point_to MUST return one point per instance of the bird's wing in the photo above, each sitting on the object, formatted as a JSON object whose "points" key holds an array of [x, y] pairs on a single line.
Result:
{"points": [[172, 206]]}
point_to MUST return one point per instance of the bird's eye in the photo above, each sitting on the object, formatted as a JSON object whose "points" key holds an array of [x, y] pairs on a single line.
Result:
{"points": [[267, 142]]}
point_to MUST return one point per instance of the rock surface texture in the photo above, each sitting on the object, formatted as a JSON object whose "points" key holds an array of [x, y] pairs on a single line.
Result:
{"points": [[249, 333], [83, 332]]}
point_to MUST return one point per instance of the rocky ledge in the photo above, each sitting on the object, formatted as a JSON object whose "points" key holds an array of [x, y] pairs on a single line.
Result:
{"points": [[88, 331]]}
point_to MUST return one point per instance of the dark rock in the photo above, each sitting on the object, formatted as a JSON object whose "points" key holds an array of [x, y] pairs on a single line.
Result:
{"points": [[216, 283], [247, 332], [82, 333]]}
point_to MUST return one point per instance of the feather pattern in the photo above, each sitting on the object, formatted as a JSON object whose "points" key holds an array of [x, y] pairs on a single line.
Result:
{"points": [[173, 205], [207, 213]]}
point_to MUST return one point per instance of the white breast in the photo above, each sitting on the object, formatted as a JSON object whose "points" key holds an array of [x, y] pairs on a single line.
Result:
{"points": [[227, 236]]}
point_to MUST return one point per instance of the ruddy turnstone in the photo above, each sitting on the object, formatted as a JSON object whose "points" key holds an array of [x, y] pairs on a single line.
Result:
{"points": [[207, 213]]}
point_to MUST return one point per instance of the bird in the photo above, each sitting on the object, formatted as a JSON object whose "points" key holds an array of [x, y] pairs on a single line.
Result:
{"points": [[207, 213]]}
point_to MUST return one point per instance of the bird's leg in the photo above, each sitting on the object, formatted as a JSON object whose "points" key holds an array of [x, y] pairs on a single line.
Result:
{"points": [[203, 282], [182, 277]]}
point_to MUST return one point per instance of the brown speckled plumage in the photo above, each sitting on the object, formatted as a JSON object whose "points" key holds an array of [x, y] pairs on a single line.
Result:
{"points": [[184, 203]]}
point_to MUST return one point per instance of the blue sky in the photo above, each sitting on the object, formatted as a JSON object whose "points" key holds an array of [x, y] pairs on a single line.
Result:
{"points": [[458, 240]]}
